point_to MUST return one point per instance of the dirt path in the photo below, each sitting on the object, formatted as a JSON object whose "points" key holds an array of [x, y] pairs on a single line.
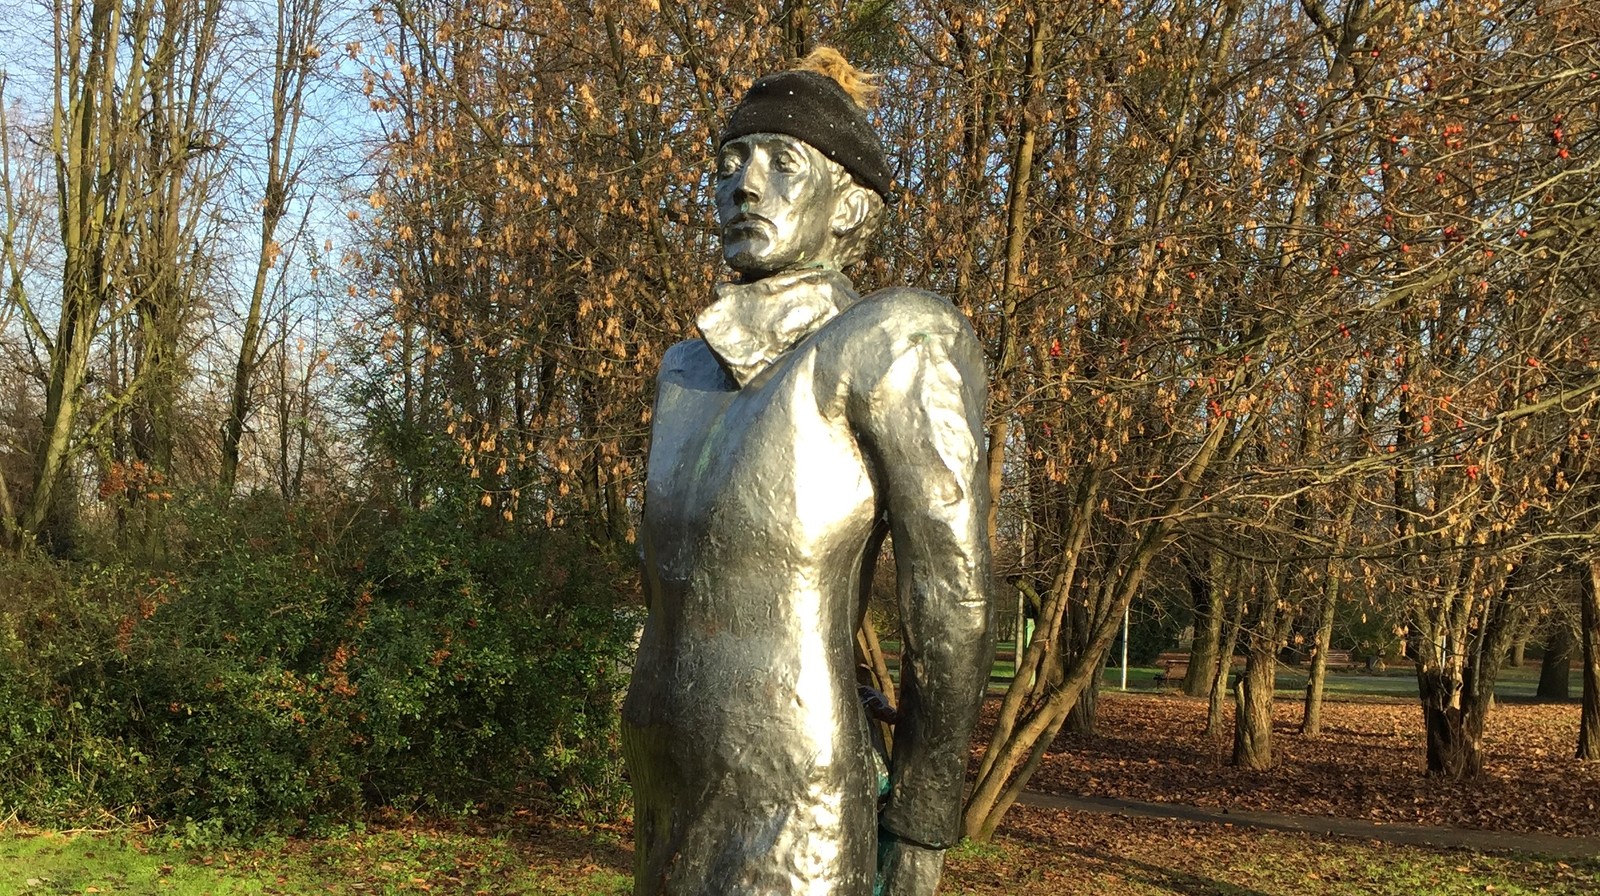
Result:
{"points": [[1551, 845]]}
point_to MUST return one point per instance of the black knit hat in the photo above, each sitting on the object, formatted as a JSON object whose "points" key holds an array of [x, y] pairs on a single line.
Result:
{"points": [[814, 108]]}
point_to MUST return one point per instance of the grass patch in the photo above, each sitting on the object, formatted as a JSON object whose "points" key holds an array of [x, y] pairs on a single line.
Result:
{"points": [[547, 862], [1396, 681], [1290, 864], [1038, 852]]}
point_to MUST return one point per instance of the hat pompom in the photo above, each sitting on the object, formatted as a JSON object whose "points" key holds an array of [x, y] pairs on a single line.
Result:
{"points": [[857, 84]]}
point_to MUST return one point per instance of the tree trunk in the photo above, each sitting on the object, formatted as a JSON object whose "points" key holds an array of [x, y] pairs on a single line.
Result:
{"points": [[10, 529], [1555, 673], [172, 181], [1219, 671], [1020, 742], [1311, 719], [1589, 614], [1456, 686], [1078, 637], [1208, 615], [67, 372], [1017, 191], [1252, 718], [85, 146], [1081, 720], [1454, 750], [794, 30], [298, 25]]}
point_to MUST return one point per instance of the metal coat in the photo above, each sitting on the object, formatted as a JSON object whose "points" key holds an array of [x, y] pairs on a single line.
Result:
{"points": [[781, 445]]}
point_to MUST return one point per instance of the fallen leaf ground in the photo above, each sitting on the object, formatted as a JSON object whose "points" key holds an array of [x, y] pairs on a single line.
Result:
{"points": [[1057, 853], [1367, 765]]}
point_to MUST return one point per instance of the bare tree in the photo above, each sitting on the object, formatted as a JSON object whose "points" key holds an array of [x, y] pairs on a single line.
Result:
{"points": [[297, 47]]}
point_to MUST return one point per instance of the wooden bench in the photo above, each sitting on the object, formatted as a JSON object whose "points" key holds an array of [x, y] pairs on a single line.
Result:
{"points": [[1340, 661], [1174, 669]]}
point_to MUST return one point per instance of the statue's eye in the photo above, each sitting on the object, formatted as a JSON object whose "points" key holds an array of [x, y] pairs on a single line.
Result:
{"points": [[728, 163], [786, 161]]}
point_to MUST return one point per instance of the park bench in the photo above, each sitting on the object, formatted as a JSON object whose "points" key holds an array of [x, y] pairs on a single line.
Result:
{"points": [[1340, 661], [1174, 669]]}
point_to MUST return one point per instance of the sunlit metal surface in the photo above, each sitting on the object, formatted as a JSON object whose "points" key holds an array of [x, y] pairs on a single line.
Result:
{"points": [[783, 443]]}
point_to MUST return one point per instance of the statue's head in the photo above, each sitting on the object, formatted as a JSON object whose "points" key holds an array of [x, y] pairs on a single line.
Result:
{"points": [[801, 175]]}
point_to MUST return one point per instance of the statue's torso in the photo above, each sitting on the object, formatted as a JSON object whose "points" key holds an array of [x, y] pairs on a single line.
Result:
{"points": [[759, 506], [777, 459]]}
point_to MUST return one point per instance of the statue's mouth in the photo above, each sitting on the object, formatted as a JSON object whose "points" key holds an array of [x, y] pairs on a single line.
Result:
{"points": [[745, 224]]}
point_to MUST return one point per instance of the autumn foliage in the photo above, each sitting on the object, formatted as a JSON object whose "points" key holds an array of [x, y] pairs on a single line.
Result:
{"points": [[1290, 308]]}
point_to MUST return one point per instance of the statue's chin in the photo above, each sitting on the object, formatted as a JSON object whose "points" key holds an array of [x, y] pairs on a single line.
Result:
{"points": [[757, 258], [748, 262]]}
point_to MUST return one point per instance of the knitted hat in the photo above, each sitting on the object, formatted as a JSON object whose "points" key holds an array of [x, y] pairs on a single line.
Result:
{"points": [[814, 107]]}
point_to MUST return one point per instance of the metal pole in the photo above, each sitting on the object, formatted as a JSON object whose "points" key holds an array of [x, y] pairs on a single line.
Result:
{"points": [[1124, 648], [1021, 636]]}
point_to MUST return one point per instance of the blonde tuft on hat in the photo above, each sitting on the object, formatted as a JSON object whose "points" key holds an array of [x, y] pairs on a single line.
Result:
{"points": [[857, 84]]}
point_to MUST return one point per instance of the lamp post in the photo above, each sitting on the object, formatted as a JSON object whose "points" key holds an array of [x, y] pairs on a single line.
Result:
{"points": [[1125, 648]]}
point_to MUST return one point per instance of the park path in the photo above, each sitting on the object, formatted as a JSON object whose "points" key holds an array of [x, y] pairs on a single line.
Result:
{"points": [[1552, 845]]}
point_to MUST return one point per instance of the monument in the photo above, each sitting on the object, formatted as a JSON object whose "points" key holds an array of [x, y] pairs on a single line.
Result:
{"points": [[808, 423]]}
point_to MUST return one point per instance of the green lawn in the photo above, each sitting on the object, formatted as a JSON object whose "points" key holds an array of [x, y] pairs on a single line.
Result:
{"points": [[1396, 681], [1103, 855], [389, 862]]}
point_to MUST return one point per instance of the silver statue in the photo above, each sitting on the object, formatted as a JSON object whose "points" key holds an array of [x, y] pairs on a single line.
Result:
{"points": [[808, 423]]}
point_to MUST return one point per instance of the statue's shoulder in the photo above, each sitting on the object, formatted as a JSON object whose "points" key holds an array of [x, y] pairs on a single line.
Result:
{"points": [[900, 315], [909, 311], [891, 333], [691, 364], [685, 354]]}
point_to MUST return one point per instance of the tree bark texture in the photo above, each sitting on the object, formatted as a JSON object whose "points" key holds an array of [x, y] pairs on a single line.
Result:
{"points": [[1454, 749], [1221, 668], [1555, 671], [1457, 692], [1252, 720], [1311, 719], [1081, 720], [1589, 611], [1207, 631], [1078, 638]]}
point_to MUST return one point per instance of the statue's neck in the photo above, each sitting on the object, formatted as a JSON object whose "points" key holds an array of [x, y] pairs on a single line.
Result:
{"points": [[751, 324]]}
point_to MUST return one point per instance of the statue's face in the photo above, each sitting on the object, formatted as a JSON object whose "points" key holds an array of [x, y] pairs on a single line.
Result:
{"points": [[775, 204]]}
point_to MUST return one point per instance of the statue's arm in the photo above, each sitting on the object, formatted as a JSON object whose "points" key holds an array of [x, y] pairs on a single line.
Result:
{"points": [[922, 425]]}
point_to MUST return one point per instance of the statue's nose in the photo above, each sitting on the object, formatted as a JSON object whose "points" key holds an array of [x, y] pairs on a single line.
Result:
{"points": [[748, 182], [745, 190]]}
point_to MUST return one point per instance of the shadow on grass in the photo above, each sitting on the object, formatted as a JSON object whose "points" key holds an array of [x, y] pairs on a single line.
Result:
{"points": [[1102, 862], [578, 846]]}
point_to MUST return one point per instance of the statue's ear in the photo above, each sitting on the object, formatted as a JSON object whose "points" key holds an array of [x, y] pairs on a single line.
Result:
{"points": [[851, 209]]}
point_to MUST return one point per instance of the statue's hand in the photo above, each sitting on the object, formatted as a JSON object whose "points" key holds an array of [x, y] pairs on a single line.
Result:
{"points": [[906, 869]]}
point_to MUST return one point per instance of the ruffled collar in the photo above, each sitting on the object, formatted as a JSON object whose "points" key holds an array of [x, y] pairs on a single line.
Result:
{"points": [[751, 324]]}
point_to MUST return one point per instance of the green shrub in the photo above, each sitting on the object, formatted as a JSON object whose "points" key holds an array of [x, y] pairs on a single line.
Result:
{"points": [[62, 750], [288, 669], [483, 665]]}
